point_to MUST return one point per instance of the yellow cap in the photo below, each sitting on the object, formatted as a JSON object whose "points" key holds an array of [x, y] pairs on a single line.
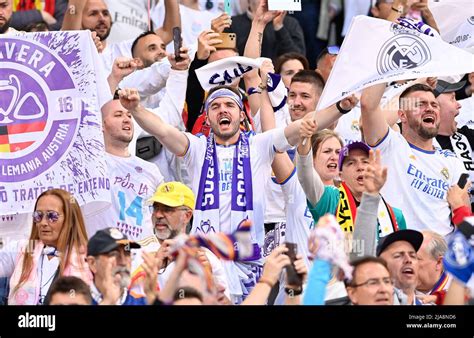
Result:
{"points": [[174, 194]]}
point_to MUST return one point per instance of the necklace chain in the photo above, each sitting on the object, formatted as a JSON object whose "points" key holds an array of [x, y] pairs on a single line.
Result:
{"points": [[41, 297]]}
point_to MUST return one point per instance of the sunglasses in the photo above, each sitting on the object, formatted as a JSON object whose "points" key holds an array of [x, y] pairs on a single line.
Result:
{"points": [[51, 216], [333, 50]]}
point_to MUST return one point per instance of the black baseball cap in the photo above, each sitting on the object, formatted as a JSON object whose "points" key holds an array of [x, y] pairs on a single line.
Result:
{"points": [[415, 238], [108, 239], [446, 87]]}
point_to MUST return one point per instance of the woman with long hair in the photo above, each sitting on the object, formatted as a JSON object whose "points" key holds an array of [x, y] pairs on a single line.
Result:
{"points": [[56, 247]]}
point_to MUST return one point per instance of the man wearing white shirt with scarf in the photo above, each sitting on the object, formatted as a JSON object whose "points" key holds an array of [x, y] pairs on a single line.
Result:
{"points": [[225, 188]]}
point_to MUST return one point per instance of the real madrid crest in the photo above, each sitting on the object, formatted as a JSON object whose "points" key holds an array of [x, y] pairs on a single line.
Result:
{"points": [[403, 51], [445, 173], [355, 125]]}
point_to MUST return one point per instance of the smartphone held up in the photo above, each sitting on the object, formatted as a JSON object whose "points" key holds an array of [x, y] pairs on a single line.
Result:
{"points": [[293, 278], [178, 43]]}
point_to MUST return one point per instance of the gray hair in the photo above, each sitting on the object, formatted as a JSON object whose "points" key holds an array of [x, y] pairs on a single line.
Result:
{"points": [[436, 246]]}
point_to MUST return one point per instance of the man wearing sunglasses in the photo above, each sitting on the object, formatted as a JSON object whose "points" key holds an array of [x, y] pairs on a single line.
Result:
{"points": [[325, 61], [172, 207]]}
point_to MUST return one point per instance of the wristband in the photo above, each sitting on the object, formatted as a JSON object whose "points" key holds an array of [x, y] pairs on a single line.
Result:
{"points": [[293, 292], [341, 110]]}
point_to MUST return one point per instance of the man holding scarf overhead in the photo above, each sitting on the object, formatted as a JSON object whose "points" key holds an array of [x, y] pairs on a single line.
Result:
{"points": [[228, 170]]}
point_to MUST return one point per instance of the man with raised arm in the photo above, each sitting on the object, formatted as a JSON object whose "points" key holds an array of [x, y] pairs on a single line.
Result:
{"points": [[419, 174], [228, 171]]}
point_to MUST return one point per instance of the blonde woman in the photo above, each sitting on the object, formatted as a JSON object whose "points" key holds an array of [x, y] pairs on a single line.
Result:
{"points": [[56, 247]]}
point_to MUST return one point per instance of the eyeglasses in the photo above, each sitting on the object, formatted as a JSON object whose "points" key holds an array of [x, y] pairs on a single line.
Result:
{"points": [[51, 216], [375, 282], [164, 209], [333, 50]]}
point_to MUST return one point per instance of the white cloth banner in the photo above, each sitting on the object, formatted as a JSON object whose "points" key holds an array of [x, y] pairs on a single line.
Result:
{"points": [[50, 121], [225, 71], [378, 51], [455, 20]]}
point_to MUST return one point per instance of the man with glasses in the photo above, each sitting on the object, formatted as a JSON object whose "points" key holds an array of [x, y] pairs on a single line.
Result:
{"points": [[371, 283], [325, 61], [172, 207], [109, 258], [399, 251]]}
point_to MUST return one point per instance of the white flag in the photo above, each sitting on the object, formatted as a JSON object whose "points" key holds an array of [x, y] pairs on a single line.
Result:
{"points": [[455, 20], [225, 71], [50, 120], [378, 51]]}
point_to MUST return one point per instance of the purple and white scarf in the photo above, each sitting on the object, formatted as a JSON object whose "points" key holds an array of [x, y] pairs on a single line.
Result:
{"points": [[207, 215]]}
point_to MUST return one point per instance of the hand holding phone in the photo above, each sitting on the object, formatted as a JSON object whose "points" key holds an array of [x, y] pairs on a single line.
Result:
{"points": [[229, 41], [293, 278], [463, 180], [227, 7], [178, 42]]}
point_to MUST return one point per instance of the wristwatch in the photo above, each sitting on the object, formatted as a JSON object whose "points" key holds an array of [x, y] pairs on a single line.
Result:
{"points": [[262, 86]]}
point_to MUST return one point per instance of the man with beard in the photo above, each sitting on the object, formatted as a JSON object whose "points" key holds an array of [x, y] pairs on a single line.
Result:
{"points": [[132, 180], [228, 170], [109, 258], [173, 205], [5, 16], [419, 175], [95, 16]]}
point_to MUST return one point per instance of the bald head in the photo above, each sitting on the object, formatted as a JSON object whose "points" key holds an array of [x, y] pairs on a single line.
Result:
{"points": [[117, 126]]}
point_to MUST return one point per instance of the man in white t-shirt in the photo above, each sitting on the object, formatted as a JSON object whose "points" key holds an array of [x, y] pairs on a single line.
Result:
{"points": [[419, 175], [132, 179], [228, 175]]}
